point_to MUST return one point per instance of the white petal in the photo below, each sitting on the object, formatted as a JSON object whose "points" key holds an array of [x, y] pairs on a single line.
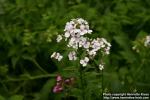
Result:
{"points": [[70, 56], [53, 55], [84, 64], [90, 31], [82, 27], [82, 33], [59, 58], [57, 55], [86, 59], [67, 34], [59, 38], [87, 45], [81, 61], [77, 31]]}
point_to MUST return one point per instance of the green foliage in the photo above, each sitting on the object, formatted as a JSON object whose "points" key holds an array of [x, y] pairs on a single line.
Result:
{"points": [[28, 30]]}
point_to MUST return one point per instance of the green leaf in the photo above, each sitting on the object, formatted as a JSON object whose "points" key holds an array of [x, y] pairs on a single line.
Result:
{"points": [[16, 97], [14, 61], [3, 70], [2, 98], [46, 92]]}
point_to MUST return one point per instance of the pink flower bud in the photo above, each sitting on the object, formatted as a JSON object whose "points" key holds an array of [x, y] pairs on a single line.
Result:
{"points": [[57, 89], [59, 78], [68, 81]]}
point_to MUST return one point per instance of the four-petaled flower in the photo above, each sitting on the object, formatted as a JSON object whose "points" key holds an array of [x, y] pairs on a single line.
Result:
{"points": [[84, 61], [72, 55], [57, 56]]}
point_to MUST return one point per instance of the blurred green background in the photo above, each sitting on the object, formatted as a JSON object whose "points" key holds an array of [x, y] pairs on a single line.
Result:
{"points": [[28, 30]]}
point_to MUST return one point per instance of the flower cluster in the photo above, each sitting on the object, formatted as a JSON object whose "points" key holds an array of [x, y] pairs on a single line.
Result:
{"points": [[147, 41], [76, 35], [99, 44], [61, 83]]}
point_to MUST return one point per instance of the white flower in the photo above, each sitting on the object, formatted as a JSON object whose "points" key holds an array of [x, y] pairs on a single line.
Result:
{"points": [[84, 61], [95, 45], [86, 45], [73, 42], [83, 42], [57, 56], [147, 41], [59, 38], [92, 53], [101, 67], [69, 26], [72, 55]]}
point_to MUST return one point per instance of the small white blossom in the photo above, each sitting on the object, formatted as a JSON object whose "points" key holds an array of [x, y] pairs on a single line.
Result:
{"points": [[147, 41], [84, 61], [72, 55], [92, 53], [59, 38], [69, 26], [83, 42], [101, 67], [86, 45], [57, 56], [73, 42]]}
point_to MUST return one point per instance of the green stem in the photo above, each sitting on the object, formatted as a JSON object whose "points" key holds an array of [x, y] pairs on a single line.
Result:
{"points": [[5, 87], [102, 85], [138, 69], [38, 66], [82, 82], [29, 78], [33, 60], [18, 88]]}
